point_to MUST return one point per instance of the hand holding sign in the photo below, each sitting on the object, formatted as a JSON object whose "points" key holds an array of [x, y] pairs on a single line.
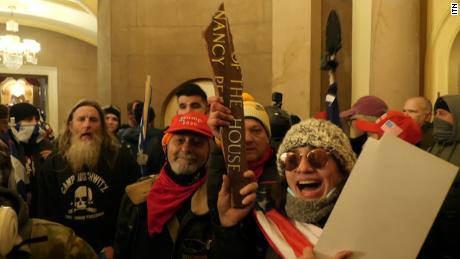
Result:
{"points": [[219, 115], [229, 216]]}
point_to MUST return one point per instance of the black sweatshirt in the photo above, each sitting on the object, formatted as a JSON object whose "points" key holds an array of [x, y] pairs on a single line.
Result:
{"points": [[86, 201]]}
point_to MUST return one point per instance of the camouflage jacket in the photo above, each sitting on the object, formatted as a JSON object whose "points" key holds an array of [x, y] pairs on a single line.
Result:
{"points": [[42, 238]]}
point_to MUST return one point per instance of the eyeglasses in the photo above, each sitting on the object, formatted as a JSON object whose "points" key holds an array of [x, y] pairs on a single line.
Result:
{"points": [[317, 158]]}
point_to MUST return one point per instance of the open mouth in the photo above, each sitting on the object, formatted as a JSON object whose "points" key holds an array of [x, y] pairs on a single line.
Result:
{"points": [[86, 135], [308, 185], [309, 188]]}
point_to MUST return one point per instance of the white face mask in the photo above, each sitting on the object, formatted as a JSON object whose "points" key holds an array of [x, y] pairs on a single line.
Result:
{"points": [[27, 131]]}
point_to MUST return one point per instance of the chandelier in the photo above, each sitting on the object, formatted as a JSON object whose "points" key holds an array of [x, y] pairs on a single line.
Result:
{"points": [[13, 52]]}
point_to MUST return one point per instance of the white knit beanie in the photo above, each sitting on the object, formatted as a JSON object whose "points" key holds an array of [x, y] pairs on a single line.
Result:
{"points": [[320, 134]]}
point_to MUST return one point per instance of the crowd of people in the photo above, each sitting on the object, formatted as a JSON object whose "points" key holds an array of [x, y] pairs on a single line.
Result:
{"points": [[90, 193]]}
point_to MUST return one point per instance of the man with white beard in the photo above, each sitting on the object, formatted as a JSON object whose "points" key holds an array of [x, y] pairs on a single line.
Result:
{"points": [[166, 215], [82, 184]]}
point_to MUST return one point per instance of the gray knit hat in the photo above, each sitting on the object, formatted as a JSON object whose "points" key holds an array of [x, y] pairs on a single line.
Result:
{"points": [[318, 133]]}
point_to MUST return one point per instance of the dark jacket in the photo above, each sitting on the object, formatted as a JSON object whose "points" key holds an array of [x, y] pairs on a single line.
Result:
{"points": [[27, 158], [86, 201], [444, 237], [427, 136], [190, 236], [43, 238], [129, 137], [244, 240]]}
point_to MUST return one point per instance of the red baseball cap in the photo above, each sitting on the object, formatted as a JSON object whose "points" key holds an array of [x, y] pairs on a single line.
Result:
{"points": [[192, 121], [367, 105], [320, 116], [394, 122]]}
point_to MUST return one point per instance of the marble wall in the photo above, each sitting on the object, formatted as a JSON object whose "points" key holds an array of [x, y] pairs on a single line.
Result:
{"points": [[163, 38]]}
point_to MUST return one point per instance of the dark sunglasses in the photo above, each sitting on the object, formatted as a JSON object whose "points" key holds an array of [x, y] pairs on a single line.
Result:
{"points": [[317, 158]]}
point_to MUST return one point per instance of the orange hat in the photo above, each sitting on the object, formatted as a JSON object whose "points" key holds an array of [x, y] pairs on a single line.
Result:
{"points": [[394, 122]]}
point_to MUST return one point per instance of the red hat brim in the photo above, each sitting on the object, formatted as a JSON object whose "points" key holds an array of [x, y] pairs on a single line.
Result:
{"points": [[368, 126], [192, 129]]}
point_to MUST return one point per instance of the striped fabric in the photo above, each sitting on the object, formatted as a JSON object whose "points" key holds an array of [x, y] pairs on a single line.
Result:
{"points": [[287, 238], [141, 148]]}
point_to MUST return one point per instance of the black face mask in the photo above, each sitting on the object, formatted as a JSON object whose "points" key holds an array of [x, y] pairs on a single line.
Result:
{"points": [[358, 143], [442, 130]]}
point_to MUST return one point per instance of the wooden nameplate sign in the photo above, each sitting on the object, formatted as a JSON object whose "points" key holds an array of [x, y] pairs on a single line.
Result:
{"points": [[228, 84]]}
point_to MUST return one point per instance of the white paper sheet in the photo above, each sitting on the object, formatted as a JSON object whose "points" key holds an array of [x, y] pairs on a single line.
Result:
{"points": [[389, 202]]}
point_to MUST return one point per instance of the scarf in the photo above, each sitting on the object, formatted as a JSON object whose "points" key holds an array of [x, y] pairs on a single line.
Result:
{"points": [[314, 211], [258, 166], [165, 198]]}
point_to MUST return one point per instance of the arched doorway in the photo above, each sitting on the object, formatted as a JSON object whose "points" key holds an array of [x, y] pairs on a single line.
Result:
{"points": [[454, 66], [50, 101], [16, 88], [441, 53], [16, 91]]}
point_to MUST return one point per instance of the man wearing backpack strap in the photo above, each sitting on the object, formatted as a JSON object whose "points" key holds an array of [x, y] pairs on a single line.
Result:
{"points": [[166, 215]]}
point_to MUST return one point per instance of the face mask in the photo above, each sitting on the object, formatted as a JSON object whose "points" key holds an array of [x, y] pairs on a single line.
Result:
{"points": [[442, 130], [28, 133]]}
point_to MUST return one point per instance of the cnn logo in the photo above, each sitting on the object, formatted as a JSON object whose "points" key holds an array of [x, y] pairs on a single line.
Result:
{"points": [[454, 9]]}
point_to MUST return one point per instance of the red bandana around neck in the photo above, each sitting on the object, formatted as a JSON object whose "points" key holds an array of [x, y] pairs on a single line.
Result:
{"points": [[258, 166], [165, 198]]}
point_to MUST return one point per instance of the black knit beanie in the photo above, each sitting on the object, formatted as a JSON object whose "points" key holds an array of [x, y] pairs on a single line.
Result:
{"points": [[21, 111], [112, 109]]}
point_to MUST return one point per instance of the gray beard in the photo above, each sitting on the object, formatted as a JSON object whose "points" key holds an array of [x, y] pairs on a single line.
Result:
{"points": [[182, 168], [314, 211], [84, 153]]}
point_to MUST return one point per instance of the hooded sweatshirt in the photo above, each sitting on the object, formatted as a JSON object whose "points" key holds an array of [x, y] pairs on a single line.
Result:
{"points": [[444, 238], [449, 149]]}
